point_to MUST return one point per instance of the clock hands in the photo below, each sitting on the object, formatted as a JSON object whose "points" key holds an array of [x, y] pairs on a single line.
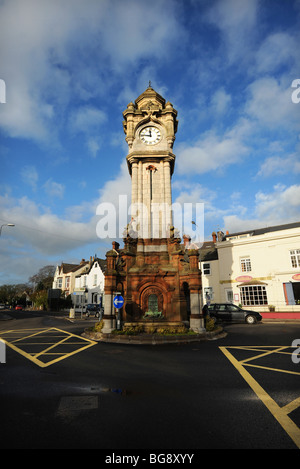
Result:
{"points": [[151, 137]]}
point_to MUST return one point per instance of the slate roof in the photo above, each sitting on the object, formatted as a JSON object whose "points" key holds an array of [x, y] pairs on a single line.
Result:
{"points": [[269, 229], [208, 251]]}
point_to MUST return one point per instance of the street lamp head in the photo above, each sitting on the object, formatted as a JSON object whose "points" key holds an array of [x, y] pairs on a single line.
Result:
{"points": [[6, 224]]}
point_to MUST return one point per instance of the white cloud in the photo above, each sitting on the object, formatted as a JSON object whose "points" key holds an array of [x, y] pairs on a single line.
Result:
{"points": [[278, 165], [39, 54], [43, 231], [280, 206], [213, 152], [277, 50], [236, 20], [86, 119], [54, 189], [271, 105], [220, 102], [30, 176], [93, 146]]}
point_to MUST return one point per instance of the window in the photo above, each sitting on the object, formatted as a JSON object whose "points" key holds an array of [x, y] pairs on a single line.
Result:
{"points": [[59, 282], [295, 258], [229, 295], [153, 303], [254, 295], [206, 268], [67, 283], [246, 264], [95, 279], [208, 294]]}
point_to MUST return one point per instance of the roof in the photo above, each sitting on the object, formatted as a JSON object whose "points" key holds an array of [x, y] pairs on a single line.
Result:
{"points": [[65, 268], [150, 93], [269, 229], [101, 262], [208, 251]]}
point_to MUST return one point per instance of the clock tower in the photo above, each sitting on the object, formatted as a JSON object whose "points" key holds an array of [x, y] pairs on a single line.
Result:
{"points": [[157, 276], [150, 126]]}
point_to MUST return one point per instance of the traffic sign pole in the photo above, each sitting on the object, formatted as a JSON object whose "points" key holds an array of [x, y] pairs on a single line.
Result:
{"points": [[118, 303]]}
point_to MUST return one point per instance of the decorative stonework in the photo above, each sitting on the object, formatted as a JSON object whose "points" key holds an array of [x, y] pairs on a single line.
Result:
{"points": [[153, 269]]}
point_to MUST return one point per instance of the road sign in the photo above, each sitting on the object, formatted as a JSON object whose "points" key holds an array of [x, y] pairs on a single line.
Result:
{"points": [[118, 301]]}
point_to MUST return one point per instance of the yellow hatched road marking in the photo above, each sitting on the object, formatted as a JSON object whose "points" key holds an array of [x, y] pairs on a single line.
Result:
{"points": [[280, 413], [12, 337]]}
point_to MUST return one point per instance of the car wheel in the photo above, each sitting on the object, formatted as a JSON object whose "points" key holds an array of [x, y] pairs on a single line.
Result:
{"points": [[250, 319], [97, 315], [87, 314]]}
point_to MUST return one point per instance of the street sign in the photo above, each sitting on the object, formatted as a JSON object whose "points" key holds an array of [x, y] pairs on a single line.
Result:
{"points": [[78, 293], [118, 301]]}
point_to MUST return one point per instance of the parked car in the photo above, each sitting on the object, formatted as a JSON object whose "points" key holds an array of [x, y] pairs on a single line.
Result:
{"points": [[92, 309], [230, 312], [19, 307]]}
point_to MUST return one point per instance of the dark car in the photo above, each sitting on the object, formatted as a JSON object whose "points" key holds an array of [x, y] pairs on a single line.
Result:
{"points": [[92, 309], [230, 312]]}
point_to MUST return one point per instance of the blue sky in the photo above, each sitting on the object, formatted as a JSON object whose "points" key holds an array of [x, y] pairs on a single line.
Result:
{"points": [[70, 69]]}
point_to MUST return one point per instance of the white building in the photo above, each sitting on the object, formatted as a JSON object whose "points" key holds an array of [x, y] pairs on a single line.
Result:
{"points": [[89, 285], [259, 269], [64, 276]]}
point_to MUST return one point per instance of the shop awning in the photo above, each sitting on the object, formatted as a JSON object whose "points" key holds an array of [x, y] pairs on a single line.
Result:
{"points": [[251, 282]]}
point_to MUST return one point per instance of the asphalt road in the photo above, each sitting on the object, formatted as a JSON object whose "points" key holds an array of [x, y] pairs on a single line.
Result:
{"points": [[124, 397]]}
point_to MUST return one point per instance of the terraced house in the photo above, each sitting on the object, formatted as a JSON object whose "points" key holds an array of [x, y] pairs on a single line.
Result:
{"points": [[259, 269]]}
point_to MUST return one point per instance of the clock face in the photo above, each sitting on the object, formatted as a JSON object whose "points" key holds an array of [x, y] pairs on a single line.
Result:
{"points": [[150, 135]]}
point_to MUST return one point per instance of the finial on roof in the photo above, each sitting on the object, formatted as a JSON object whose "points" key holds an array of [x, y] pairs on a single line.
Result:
{"points": [[149, 83]]}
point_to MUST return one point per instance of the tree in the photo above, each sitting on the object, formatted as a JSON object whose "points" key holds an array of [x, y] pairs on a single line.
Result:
{"points": [[11, 294], [44, 278]]}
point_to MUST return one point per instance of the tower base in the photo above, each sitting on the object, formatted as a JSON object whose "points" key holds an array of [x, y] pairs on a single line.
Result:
{"points": [[158, 278]]}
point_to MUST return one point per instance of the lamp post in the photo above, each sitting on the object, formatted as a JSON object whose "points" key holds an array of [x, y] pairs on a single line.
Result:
{"points": [[6, 224]]}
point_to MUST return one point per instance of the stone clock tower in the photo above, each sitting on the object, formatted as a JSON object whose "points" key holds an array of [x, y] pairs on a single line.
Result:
{"points": [[150, 126], [154, 272]]}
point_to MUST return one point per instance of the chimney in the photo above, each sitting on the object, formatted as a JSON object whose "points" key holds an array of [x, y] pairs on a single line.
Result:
{"points": [[214, 236], [186, 240], [115, 245]]}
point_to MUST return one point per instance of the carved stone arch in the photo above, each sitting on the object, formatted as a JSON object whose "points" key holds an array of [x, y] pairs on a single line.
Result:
{"points": [[147, 293], [149, 119]]}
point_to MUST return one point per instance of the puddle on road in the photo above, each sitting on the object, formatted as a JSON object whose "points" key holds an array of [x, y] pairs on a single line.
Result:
{"points": [[77, 403]]}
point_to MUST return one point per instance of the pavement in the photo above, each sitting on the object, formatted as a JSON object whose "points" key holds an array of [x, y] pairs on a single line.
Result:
{"points": [[280, 317]]}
